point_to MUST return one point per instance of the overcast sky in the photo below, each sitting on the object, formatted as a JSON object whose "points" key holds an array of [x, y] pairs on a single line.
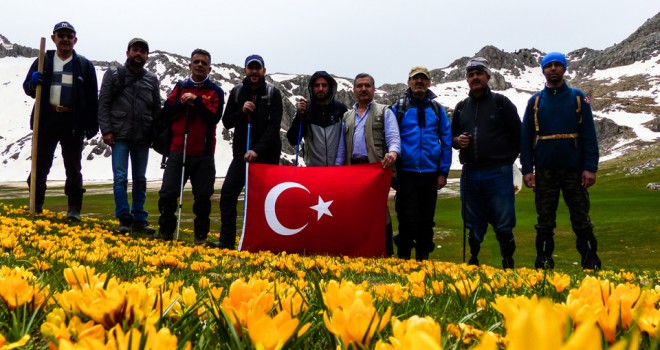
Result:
{"points": [[344, 37]]}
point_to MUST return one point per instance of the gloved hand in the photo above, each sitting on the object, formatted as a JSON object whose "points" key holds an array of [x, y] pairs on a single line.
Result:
{"points": [[36, 78]]}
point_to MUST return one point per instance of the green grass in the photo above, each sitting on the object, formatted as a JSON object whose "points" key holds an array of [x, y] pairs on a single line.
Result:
{"points": [[624, 213]]}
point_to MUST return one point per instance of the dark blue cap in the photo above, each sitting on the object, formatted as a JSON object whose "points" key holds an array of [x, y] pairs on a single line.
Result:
{"points": [[64, 25], [254, 58]]}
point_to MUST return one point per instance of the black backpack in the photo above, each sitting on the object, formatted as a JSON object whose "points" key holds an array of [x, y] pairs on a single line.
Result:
{"points": [[162, 131]]}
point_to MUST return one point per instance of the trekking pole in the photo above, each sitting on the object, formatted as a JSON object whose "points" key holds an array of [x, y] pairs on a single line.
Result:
{"points": [[298, 144], [464, 185], [183, 171], [247, 149], [35, 131], [463, 195], [300, 128]]}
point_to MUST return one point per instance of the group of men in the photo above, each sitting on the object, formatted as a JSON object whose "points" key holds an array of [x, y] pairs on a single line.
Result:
{"points": [[414, 136]]}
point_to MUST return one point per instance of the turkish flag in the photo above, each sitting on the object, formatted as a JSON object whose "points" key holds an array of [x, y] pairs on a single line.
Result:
{"points": [[316, 210]]}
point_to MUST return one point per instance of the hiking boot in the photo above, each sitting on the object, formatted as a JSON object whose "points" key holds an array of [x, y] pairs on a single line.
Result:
{"points": [[421, 256], [507, 263], [473, 261], [73, 214], [143, 227], [200, 241], [545, 263], [38, 209], [163, 237], [219, 245], [125, 223]]}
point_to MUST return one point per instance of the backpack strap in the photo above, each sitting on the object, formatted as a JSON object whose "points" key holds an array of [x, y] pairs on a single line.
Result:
{"points": [[269, 93], [459, 107], [536, 119], [237, 88], [578, 113], [435, 106], [578, 109], [499, 101]]}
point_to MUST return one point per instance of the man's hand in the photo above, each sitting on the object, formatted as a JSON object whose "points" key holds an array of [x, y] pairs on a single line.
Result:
{"points": [[188, 99], [248, 107], [109, 139], [588, 179], [529, 180], [250, 156], [301, 105], [442, 181], [463, 140], [389, 159]]}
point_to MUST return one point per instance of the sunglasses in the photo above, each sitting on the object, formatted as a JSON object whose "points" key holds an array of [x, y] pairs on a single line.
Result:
{"points": [[65, 35]]}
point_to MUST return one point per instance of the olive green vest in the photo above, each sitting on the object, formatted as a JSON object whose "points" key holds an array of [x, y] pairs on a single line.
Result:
{"points": [[374, 133]]}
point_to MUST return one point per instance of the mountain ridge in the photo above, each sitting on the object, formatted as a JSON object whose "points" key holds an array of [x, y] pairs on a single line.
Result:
{"points": [[622, 81]]}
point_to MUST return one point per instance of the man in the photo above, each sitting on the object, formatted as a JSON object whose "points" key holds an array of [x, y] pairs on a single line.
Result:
{"points": [[68, 114], [193, 109], [321, 121], [559, 152], [486, 130], [370, 134], [129, 102], [424, 164], [258, 104]]}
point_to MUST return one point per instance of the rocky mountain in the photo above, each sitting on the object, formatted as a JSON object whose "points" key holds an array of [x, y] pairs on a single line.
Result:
{"points": [[623, 82]]}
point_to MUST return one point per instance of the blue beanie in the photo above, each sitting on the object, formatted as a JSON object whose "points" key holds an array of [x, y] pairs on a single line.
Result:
{"points": [[554, 57]]}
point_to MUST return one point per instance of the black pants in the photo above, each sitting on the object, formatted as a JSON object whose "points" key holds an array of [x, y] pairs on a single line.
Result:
{"points": [[415, 207], [576, 197], [231, 189], [201, 172], [71, 144]]}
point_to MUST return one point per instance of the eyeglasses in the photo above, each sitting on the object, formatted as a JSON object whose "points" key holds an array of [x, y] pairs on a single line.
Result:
{"points": [[66, 35]]}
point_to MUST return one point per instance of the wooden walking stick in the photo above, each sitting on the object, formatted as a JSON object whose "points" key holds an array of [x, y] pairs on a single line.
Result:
{"points": [[35, 130]]}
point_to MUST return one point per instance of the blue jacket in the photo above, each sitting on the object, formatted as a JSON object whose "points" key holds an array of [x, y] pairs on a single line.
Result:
{"points": [[425, 148], [557, 115]]}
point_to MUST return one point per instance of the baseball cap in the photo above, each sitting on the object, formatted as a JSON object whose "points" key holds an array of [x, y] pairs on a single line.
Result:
{"points": [[254, 58], [138, 41], [419, 70], [64, 25]]}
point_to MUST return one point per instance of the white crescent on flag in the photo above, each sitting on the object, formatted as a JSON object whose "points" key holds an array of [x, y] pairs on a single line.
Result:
{"points": [[322, 208], [269, 209]]}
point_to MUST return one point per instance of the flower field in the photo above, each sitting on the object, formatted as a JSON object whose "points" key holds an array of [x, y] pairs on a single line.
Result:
{"points": [[79, 286]]}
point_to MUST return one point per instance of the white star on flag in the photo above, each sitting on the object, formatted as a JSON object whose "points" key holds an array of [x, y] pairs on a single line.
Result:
{"points": [[323, 208]]}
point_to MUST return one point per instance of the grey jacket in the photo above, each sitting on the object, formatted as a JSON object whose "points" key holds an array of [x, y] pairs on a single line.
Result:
{"points": [[129, 112]]}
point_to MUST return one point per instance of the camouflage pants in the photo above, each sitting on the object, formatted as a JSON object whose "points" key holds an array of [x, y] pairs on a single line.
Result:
{"points": [[548, 185]]}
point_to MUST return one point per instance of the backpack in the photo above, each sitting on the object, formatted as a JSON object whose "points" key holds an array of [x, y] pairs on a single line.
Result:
{"points": [[499, 104], [121, 77], [402, 107], [578, 112], [162, 132], [269, 93]]}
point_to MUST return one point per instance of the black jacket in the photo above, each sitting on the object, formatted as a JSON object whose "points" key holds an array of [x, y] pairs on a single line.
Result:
{"points": [[493, 123], [85, 95], [265, 122]]}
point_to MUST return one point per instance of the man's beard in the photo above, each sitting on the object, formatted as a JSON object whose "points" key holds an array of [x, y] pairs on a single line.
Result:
{"points": [[133, 63]]}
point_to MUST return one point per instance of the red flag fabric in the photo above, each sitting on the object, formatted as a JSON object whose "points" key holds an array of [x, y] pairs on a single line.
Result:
{"points": [[316, 210]]}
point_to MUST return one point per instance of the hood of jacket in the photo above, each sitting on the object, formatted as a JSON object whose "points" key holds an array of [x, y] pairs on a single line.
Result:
{"points": [[331, 81]]}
